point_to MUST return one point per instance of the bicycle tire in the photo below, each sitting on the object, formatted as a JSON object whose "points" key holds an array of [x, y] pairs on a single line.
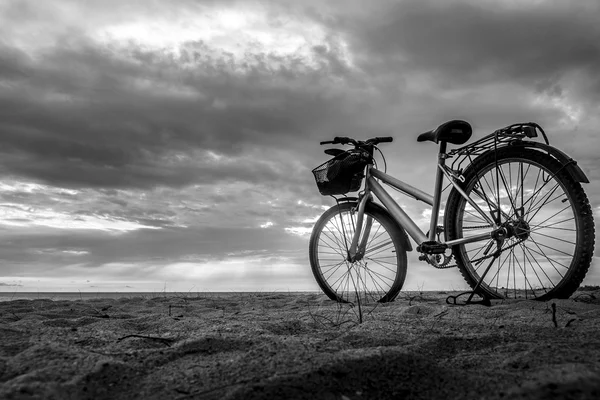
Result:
{"points": [[555, 244], [371, 279]]}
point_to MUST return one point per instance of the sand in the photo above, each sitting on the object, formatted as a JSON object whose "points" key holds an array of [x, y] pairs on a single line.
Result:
{"points": [[288, 346]]}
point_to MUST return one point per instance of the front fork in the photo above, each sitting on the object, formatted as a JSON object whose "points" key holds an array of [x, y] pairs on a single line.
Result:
{"points": [[359, 242]]}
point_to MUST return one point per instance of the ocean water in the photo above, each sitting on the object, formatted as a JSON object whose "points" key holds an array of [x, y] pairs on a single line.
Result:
{"points": [[8, 296]]}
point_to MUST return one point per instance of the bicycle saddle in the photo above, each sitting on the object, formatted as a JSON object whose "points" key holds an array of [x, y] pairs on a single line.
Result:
{"points": [[455, 132]]}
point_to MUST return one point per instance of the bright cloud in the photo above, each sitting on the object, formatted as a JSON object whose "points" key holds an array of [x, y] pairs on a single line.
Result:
{"points": [[23, 216]]}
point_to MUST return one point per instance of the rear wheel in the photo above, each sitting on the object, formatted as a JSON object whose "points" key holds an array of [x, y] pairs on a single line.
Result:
{"points": [[376, 277], [548, 220]]}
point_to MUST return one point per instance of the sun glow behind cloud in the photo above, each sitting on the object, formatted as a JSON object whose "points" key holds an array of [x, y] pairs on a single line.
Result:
{"points": [[18, 215], [58, 215], [234, 31]]}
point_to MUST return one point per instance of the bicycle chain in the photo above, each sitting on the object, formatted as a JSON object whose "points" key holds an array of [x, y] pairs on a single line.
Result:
{"points": [[444, 264], [476, 227], [447, 259]]}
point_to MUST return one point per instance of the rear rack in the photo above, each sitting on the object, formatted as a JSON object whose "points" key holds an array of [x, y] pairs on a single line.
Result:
{"points": [[499, 138]]}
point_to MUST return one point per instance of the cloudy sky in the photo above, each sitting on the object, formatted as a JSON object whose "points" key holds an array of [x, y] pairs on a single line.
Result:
{"points": [[169, 144]]}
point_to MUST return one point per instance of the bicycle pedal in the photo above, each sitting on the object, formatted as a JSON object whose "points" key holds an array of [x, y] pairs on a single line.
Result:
{"points": [[432, 247]]}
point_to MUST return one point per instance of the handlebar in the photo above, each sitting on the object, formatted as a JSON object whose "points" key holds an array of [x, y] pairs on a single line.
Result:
{"points": [[346, 140]]}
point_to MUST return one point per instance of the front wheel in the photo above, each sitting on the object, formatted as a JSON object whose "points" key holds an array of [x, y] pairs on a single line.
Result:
{"points": [[378, 275], [547, 218]]}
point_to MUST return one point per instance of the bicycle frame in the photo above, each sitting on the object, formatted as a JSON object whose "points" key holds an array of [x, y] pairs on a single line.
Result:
{"points": [[400, 216]]}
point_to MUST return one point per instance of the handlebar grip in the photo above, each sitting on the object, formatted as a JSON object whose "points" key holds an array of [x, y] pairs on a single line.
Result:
{"points": [[327, 142], [385, 139]]}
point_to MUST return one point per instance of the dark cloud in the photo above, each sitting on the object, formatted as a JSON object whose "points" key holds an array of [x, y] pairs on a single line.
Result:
{"points": [[84, 115], [479, 42]]}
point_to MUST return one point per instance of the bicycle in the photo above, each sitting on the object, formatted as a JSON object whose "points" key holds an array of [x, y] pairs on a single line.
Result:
{"points": [[517, 221]]}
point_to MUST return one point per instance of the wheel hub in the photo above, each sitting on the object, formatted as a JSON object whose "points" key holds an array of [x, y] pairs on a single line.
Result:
{"points": [[518, 228], [359, 256]]}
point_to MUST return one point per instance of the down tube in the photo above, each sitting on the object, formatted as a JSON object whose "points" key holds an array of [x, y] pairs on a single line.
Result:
{"points": [[397, 212]]}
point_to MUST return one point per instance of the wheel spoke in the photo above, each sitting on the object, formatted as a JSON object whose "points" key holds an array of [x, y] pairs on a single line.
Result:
{"points": [[383, 266], [551, 226], [523, 269], [508, 193], [555, 238], [546, 201], [538, 264], [335, 268], [381, 249]]}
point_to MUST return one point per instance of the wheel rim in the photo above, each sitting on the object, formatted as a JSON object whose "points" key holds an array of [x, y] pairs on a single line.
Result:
{"points": [[368, 279], [541, 226]]}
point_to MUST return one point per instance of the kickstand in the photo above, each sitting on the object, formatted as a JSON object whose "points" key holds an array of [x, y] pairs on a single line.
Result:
{"points": [[454, 299], [485, 300]]}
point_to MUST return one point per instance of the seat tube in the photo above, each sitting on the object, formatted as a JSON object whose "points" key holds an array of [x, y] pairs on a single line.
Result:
{"points": [[437, 192]]}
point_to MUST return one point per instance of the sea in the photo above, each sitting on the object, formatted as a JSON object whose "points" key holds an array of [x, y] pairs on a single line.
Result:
{"points": [[10, 296]]}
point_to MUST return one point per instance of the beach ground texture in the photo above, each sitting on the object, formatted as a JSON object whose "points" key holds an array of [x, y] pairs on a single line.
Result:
{"points": [[295, 346]]}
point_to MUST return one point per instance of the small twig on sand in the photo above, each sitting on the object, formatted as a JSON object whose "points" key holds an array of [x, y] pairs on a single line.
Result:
{"points": [[441, 314], [336, 321], [554, 315], [437, 318], [585, 297], [165, 341], [331, 321], [569, 322], [17, 318], [100, 314], [175, 306]]}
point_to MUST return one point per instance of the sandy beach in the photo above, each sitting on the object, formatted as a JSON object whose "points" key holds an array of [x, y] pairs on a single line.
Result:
{"points": [[288, 346]]}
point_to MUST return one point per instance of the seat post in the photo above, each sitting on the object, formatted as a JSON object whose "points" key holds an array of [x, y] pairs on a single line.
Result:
{"points": [[443, 147], [437, 191]]}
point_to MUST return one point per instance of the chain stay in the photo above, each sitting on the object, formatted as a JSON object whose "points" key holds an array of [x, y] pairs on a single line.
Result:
{"points": [[490, 255], [447, 259]]}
